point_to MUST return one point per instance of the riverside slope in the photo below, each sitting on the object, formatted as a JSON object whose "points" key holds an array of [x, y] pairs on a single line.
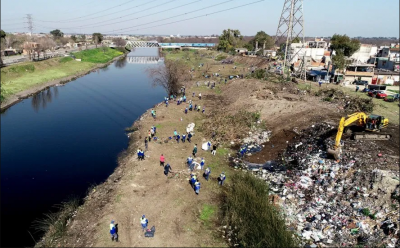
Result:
{"points": [[140, 187]]}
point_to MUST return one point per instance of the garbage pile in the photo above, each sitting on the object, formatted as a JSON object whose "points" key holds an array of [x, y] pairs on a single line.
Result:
{"points": [[252, 143], [350, 203]]}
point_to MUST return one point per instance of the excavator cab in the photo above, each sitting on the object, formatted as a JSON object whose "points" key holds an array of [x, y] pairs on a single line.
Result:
{"points": [[374, 123]]}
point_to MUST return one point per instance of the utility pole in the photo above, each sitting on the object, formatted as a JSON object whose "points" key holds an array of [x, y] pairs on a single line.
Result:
{"points": [[291, 26], [30, 28], [30, 23]]}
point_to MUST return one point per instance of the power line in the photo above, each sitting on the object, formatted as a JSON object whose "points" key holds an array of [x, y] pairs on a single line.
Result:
{"points": [[67, 20], [165, 18], [115, 12], [141, 16], [216, 12], [134, 13]]}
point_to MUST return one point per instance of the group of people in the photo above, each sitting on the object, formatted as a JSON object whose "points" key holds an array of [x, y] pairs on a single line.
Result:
{"points": [[188, 136], [196, 108], [140, 154], [151, 133]]}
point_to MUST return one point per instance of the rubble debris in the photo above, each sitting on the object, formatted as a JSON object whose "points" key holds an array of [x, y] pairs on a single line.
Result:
{"points": [[329, 203], [347, 102]]}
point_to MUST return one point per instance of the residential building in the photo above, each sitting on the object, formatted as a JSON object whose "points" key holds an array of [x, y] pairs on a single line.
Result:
{"points": [[365, 52], [241, 50], [359, 71]]}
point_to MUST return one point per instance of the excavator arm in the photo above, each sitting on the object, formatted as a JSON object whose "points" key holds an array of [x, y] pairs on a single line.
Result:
{"points": [[359, 116], [362, 121]]}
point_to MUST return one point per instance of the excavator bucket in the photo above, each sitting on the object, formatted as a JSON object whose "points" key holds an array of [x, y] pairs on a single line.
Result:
{"points": [[335, 153]]}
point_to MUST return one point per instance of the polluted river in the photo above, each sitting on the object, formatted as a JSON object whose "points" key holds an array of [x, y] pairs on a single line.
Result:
{"points": [[59, 142]]}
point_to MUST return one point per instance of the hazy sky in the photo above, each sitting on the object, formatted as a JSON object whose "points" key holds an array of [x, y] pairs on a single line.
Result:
{"points": [[366, 18]]}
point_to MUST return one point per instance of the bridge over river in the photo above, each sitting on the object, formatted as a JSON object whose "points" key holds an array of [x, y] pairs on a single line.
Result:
{"points": [[134, 44]]}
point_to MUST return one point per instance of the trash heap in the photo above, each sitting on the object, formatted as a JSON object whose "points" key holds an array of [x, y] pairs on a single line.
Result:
{"points": [[252, 143], [353, 202]]}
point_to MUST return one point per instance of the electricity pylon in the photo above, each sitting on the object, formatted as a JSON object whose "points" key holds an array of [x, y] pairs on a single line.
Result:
{"points": [[291, 26]]}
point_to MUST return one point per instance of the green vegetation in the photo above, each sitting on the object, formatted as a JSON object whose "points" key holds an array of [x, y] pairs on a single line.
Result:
{"points": [[97, 55], [54, 225], [344, 47], [20, 77], [229, 40], [256, 222], [207, 213], [65, 59], [395, 91], [220, 57]]}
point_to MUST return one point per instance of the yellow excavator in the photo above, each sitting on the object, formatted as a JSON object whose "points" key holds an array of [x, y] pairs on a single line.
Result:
{"points": [[370, 123]]}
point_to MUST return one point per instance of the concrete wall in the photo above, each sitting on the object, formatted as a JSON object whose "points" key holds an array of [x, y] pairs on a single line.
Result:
{"points": [[364, 53], [315, 53], [352, 78]]}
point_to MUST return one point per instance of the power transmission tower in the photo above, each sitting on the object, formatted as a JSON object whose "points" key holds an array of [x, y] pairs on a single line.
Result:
{"points": [[291, 26], [30, 23]]}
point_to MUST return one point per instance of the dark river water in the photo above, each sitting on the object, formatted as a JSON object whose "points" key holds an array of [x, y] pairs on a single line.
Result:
{"points": [[61, 141]]}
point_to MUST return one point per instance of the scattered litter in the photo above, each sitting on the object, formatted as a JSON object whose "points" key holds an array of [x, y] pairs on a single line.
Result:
{"points": [[346, 203]]}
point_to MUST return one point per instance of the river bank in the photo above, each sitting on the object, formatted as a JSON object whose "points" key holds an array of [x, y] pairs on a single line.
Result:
{"points": [[83, 68], [181, 217]]}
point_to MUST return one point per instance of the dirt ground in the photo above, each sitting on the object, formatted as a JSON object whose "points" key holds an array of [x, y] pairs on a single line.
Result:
{"points": [[169, 203]]}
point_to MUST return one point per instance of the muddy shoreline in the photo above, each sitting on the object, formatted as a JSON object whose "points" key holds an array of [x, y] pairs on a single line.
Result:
{"points": [[34, 90], [99, 194]]}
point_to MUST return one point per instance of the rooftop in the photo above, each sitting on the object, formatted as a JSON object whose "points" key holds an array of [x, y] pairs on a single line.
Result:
{"points": [[362, 64]]}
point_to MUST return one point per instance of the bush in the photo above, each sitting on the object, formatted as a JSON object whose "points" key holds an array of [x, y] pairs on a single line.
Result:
{"points": [[65, 59], [255, 221], [121, 49], [220, 57], [54, 225], [259, 74]]}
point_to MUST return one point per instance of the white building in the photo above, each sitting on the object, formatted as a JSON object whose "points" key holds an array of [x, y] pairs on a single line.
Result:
{"points": [[297, 51], [365, 52]]}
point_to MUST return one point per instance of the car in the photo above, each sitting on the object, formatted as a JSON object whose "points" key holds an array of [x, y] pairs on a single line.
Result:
{"points": [[392, 98], [360, 82], [377, 94]]}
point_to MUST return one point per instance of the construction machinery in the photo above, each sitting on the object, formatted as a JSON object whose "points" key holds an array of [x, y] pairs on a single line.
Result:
{"points": [[370, 126]]}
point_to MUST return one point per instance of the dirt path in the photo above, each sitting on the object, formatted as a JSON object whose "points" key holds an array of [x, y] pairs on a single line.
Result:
{"points": [[140, 187]]}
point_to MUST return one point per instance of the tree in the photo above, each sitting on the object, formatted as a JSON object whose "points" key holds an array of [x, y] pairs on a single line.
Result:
{"points": [[82, 37], [344, 45], [261, 37], [74, 38], [344, 48], [119, 42], [57, 33], [229, 39], [169, 75], [249, 46], [2, 37], [97, 38], [104, 48], [296, 40], [2, 34], [340, 61]]}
